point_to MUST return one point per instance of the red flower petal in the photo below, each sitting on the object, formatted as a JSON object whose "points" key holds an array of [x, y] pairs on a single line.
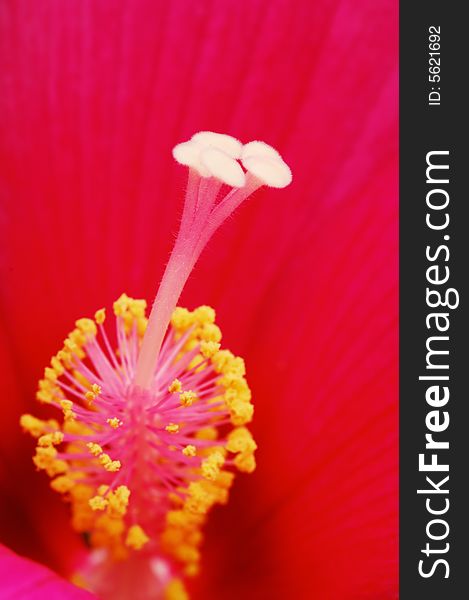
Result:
{"points": [[304, 280], [23, 579]]}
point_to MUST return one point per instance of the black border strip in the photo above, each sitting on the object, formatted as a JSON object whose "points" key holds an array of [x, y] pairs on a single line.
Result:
{"points": [[425, 128]]}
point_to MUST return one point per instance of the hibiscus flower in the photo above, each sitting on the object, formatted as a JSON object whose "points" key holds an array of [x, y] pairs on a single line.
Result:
{"points": [[304, 282]]}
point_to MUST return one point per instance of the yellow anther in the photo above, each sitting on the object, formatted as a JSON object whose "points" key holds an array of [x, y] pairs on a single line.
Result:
{"points": [[50, 375], [176, 386], [45, 396], [234, 381], [132, 312], [98, 503], [74, 343], [36, 427], [120, 305], [46, 385], [226, 362], [110, 465], [69, 415], [51, 439], [238, 366], [86, 326], [104, 459], [200, 499], [66, 406], [187, 398], [233, 394], [221, 360], [45, 458], [241, 412], [113, 466], [48, 452], [172, 428], [57, 366], [136, 538], [32, 425], [77, 335], [100, 316], [95, 449], [209, 349], [123, 494], [210, 333], [118, 501], [64, 357], [181, 319], [204, 314], [62, 484], [114, 422], [137, 307], [71, 346], [175, 590], [245, 462], [189, 450], [57, 467], [241, 440], [211, 466], [92, 394]]}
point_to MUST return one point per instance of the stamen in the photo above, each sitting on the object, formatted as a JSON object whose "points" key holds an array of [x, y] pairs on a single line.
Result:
{"points": [[154, 412]]}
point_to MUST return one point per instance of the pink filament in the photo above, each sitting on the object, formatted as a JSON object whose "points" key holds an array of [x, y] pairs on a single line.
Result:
{"points": [[141, 438]]}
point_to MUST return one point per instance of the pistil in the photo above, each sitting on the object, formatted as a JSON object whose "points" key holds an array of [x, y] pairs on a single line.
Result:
{"points": [[213, 163], [155, 414]]}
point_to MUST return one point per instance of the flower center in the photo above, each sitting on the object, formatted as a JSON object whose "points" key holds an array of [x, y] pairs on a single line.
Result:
{"points": [[154, 412]]}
